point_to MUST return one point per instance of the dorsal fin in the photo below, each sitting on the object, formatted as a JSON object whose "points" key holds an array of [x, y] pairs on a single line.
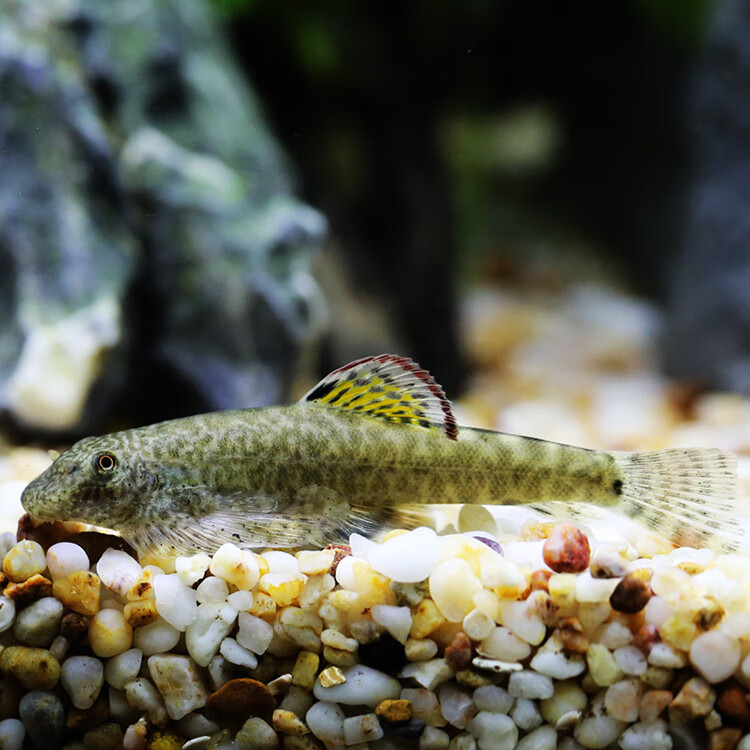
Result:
{"points": [[391, 388]]}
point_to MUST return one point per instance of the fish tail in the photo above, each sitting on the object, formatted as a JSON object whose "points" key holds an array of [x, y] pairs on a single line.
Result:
{"points": [[687, 494]]}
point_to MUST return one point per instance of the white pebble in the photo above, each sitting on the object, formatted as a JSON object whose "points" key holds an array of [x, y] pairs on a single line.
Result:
{"points": [[396, 620], [525, 714], [241, 600], [121, 669], [326, 722], [543, 738], [12, 734], [494, 731], [118, 571], [82, 677], [234, 653], [175, 602], [715, 655], [478, 625], [7, 613], [254, 633], [590, 589], [212, 589], [220, 671], [407, 558], [364, 686], [211, 625], [614, 635], [142, 695], [179, 682], [456, 705], [433, 738], [452, 588], [64, 558], [192, 569], [622, 700], [156, 638], [493, 699], [364, 728], [649, 734], [345, 571], [529, 684], [236, 566], [281, 562], [503, 645], [428, 674], [551, 660], [664, 655], [598, 731], [631, 660]]}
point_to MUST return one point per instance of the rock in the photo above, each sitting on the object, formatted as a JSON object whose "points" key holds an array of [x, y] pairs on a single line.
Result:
{"points": [[109, 633], [256, 734], [420, 649], [12, 734], [407, 558], [140, 613], [551, 660], [241, 601], [458, 654], [175, 602], [429, 674], [456, 705], [236, 566], [394, 710], [525, 714], [494, 731], [64, 558], [108, 736], [542, 738], [192, 569], [156, 638], [74, 626], [363, 728], [78, 591], [43, 716], [530, 684], [631, 595], [204, 635], [141, 694], [238, 699], [82, 719], [433, 738], [121, 669], [118, 571], [567, 549], [695, 699], [212, 589], [452, 588], [396, 620], [39, 623], [34, 668], [622, 700], [653, 702], [326, 722], [364, 686], [598, 731], [82, 677], [179, 683], [24, 560], [305, 669], [29, 590], [603, 666], [254, 633], [236, 654], [478, 625], [503, 645], [568, 698], [715, 655], [288, 723], [493, 699], [426, 619]]}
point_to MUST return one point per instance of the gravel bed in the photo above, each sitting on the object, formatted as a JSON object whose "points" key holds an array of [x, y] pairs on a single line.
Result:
{"points": [[550, 640]]}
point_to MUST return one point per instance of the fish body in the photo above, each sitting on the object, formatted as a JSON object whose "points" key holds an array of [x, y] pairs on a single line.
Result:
{"points": [[365, 449]]}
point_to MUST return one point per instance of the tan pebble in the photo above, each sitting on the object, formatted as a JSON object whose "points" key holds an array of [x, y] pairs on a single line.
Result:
{"points": [[459, 653], [678, 631], [135, 736], [690, 567], [645, 637], [562, 591], [314, 563], [34, 668], [263, 605], [724, 739], [140, 613], [472, 679], [109, 633], [567, 549], [238, 699], [286, 593], [143, 588], [301, 628], [603, 667], [420, 649], [695, 699], [78, 591], [305, 669], [426, 619], [608, 564], [653, 702], [24, 560], [287, 722], [631, 595], [280, 685], [336, 639], [573, 637], [394, 709], [347, 601], [539, 580], [339, 657], [29, 590], [332, 676], [534, 531]]}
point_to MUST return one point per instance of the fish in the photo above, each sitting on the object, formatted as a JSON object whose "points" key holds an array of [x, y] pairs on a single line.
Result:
{"points": [[366, 449]]}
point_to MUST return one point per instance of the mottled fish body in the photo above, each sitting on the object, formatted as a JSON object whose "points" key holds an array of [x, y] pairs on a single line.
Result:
{"points": [[364, 450]]}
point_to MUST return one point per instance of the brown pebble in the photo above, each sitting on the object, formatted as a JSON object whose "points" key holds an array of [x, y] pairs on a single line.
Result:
{"points": [[732, 702], [724, 739], [630, 595], [539, 580], [83, 719], [74, 626], [567, 549], [29, 590], [394, 710], [458, 654], [340, 552], [645, 637], [709, 615], [240, 698], [572, 636]]}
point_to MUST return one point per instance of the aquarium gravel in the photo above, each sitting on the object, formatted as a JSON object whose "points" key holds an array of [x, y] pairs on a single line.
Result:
{"points": [[547, 640]]}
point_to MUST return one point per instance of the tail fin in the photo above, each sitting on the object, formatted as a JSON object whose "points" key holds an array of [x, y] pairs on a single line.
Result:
{"points": [[686, 494]]}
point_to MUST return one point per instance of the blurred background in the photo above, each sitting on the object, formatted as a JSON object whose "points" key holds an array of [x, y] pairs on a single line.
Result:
{"points": [[208, 204]]}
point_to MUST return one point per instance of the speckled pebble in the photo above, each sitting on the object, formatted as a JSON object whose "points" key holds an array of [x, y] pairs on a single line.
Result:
{"points": [[363, 728], [179, 683], [43, 716], [78, 591], [34, 668], [24, 560]]}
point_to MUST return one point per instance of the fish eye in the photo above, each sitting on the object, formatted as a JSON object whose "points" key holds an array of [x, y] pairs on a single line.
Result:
{"points": [[104, 462]]}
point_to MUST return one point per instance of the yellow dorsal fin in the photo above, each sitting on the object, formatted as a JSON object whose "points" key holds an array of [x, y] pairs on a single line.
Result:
{"points": [[387, 387]]}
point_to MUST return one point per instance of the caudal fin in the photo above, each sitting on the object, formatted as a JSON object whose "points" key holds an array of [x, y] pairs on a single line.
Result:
{"points": [[686, 494]]}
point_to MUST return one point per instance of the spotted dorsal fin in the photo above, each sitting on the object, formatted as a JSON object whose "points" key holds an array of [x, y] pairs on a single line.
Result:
{"points": [[387, 387]]}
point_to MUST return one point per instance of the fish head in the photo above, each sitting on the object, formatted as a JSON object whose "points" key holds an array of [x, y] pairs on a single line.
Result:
{"points": [[96, 481]]}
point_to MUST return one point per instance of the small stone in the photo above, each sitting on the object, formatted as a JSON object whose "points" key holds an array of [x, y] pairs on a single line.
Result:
{"points": [[525, 714], [567, 549], [34, 668], [39, 623], [551, 660], [242, 601], [603, 666], [82, 677], [236, 654], [219, 671], [121, 669], [109, 633], [608, 564], [141, 694], [652, 735], [254, 633], [135, 736], [305, 669], [364, 728], [407, 558], [522, 618], [478, 625], [541, 738], [192, 569], [175, 602], [65, 558], [614, 635], [456, 705], [396, 620], [331, 676], [425, 706], [336, 639], [24, 560], [724, 739], [238, 699], [313, 563], [653, 702], [494, 731], [156, 638], [179, 683], [363, 686], [283, 588], [664, 655], [287, 722], [433, 738], [256, 734], [392, 709], [12, 734], [118, 571], [695, 699], [504, 645], [493, 699], [78, 591], [631, 595], [43, 716], [459, 653], [28, 591], [108, 736], [301, 628], [326, 722], [631, 660], [530, 684], [452, 588], [236, 566], [573, 637], [622, 700], [420, 649], [212, 624], [715, 655], [598, 731], [426, 619], [74, 626], [568, 698]]}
